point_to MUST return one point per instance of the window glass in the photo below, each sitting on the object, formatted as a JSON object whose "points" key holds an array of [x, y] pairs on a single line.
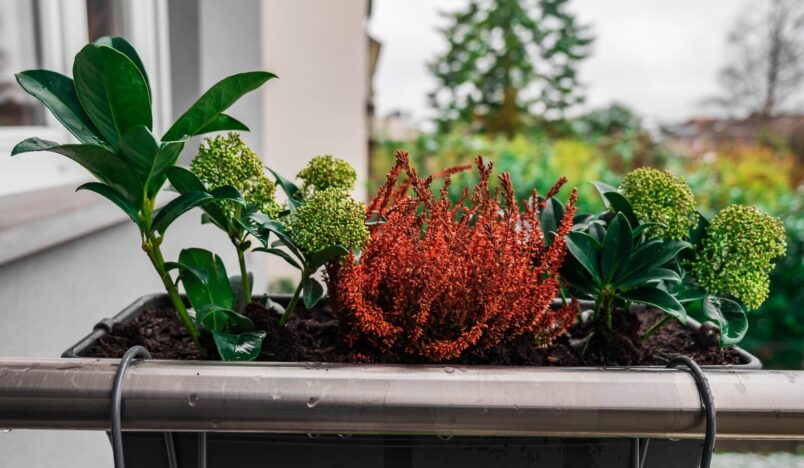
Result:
{"points": [[20, 49]]}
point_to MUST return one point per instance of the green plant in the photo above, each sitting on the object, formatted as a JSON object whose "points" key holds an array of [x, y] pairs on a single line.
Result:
{"points": [[107, 107], [316, 231], [227, 161], [211, 293], [661, 198], [737, 251], [323, 172]]}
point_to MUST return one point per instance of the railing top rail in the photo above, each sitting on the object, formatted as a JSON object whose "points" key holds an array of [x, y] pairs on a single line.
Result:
{"points": [[390, 399]]}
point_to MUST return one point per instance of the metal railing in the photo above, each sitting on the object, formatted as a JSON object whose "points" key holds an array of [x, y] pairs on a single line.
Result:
{"points": [[441, 400]]}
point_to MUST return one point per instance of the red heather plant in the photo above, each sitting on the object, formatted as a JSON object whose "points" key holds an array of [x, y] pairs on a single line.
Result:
{"points": [[439, 279]]}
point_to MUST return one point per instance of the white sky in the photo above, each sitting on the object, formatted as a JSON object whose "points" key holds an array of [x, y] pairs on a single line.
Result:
{"points": [[660, 56]]}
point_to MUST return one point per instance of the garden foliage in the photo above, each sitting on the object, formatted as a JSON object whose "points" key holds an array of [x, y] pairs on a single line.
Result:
{"points": [[440, 278]]}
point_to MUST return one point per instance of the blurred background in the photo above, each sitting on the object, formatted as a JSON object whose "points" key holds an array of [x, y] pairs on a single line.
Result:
{"points": [[588, 89]]}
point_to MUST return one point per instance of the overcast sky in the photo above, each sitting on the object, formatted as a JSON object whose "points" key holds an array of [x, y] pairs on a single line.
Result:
{"points": [[660, 57]]}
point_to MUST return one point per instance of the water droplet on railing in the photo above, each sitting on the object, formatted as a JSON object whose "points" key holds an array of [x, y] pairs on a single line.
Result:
{"points": [[5, 431], [313, 401], [192, 399], [314, 436], [445, 437], [344, 436], [449, 370]]}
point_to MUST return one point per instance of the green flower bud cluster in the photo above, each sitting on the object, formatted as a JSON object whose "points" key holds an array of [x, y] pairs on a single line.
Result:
{"points": [[329, 217], [227, 160], [660, 197], [323, 172], [736, 255]]}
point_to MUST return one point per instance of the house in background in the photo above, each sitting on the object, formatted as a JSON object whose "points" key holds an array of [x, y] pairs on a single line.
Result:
{"points": [[68, 259]]}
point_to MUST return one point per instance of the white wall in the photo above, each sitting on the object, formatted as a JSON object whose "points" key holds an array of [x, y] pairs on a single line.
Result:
{"points": [[318, 105]]}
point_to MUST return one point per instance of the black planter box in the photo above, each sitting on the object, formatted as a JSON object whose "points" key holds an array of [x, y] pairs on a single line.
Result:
{"points": [[147, 449]]}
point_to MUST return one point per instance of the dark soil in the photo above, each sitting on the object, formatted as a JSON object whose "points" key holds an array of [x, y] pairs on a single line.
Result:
{"points": [[313, 336]]}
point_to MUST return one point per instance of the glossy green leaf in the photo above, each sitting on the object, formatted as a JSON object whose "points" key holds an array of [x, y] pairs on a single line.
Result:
{"points": [[276, 227], [212, 103], [205, 280], [584, 248], [291, 190], [698, 233], [597, 230], [177, 207], [686, 294], [730, 318], [654, 254], [312, 292], [619, 204], [281, 254], [57, 93], [550, 218], [241, 347], [115, 197], [102, 163], [655, 297], [112, 91], [217, 318], [616, 247], [228, 193], [602, 189], [236, 283], [649, 276], [644, 227], [121, 45], [328, 254], [223, 122]]}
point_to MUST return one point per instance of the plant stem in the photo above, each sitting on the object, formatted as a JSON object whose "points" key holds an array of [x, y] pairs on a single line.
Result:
{"points": [[151, 247], [293, 301], [654, 328], [245, 284]]}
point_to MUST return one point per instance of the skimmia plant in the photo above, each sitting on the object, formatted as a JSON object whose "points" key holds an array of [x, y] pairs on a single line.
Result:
{"points": [[322, 224], [651, 247], [107, 107], [227, 161]]}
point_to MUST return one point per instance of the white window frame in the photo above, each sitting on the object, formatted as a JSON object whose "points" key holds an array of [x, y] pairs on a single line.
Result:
{"points": [[63, 33]]}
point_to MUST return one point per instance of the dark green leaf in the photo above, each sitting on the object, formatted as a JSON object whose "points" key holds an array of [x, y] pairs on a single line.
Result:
{"points": [[236, 283], [212, 103], [597, 230], [282, 254], [317, 259], [115, 197], [584, 248], [242, 347], [551, 217], [655, 297], [730, 318], [643, 227], [602, 189], [619, 204], [204, 278], [112, 91], [689, 294], [229, 193], [290, 189], [616, 247], [312, 292], [698, 233], [122, 45], [649, 276], [102, 163], [278, 229], [216, 318], [184, 180], [177, 207], [57, 93], [221, 123], [654, 254]]}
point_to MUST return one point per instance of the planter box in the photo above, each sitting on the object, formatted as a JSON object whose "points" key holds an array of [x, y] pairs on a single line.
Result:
{"points": [[147, 449]]}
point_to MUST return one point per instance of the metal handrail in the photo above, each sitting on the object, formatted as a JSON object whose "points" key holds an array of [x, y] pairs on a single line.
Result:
{"points": [[396, 399]]}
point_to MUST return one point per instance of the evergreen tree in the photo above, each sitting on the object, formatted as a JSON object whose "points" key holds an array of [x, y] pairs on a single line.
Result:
{"points": [[509, 60]]}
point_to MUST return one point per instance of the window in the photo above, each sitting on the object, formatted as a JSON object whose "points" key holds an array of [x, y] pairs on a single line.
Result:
{"points": [[48, 34]]}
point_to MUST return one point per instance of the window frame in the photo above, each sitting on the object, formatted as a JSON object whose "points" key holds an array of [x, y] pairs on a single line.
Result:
{"points": [[63, 32]]}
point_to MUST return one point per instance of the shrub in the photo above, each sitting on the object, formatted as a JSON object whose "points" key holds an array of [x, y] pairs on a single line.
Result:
{"points": [[662, 198], [227, 160], [736, 255], [439, 278], [323, 172]]}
